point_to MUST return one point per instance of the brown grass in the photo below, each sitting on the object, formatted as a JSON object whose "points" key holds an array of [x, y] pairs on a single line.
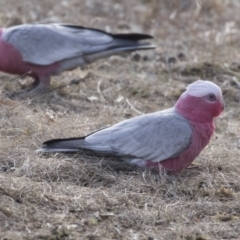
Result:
{"points": [[79, 197]]}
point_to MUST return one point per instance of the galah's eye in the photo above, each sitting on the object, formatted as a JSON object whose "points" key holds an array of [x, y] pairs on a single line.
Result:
{"points": [[211, 97]]}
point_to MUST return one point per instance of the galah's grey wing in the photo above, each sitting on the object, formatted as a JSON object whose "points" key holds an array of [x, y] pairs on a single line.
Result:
{"points": [[154, 137], [42, 44]]}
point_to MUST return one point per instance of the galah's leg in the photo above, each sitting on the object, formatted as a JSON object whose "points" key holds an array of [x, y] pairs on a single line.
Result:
{"points": [[35, 83], [42, 85]]}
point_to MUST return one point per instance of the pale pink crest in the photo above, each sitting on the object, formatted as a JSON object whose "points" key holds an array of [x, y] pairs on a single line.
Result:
{"points": [[201, 88]]}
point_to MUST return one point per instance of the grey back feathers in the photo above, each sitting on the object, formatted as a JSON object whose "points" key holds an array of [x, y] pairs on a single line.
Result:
{"points": [[44, 44], [154, 137]]}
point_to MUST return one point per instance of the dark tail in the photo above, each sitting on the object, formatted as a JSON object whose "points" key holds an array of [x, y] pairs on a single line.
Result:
{"points": [[118, 49], [63, 145], [132, 36], [125, 36], [122, 43], [130, 42]]}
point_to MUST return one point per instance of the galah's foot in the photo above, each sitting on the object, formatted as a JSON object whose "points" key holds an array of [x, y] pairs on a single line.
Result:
{"points": [[38, 91], [21, 95], [39, 87]]}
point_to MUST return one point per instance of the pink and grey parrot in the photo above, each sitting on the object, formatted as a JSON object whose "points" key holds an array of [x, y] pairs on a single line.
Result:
{"points": [[171, 138], [43, 50]]}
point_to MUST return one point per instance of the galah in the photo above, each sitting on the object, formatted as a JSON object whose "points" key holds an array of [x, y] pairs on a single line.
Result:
{"points": [[170, 139], [43, 50]]}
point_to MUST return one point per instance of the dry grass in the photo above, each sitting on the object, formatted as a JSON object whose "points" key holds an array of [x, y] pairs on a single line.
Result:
{"points": [[79, 197]]}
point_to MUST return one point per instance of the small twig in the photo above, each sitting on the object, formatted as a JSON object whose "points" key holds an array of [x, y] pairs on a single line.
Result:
{"points": [[236, 81], [236, 74], [99, 91], [21, 77], [133, 108]]}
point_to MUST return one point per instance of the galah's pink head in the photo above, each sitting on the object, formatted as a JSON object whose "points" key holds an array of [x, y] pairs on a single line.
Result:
{"points": [[202, 101]]}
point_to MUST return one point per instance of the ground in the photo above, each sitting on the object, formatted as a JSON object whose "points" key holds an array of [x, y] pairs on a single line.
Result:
{"points": [[60, 196]]}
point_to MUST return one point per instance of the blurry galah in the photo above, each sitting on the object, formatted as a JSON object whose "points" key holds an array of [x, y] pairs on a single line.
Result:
{"points": [[43, 50], [171, 138]]}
